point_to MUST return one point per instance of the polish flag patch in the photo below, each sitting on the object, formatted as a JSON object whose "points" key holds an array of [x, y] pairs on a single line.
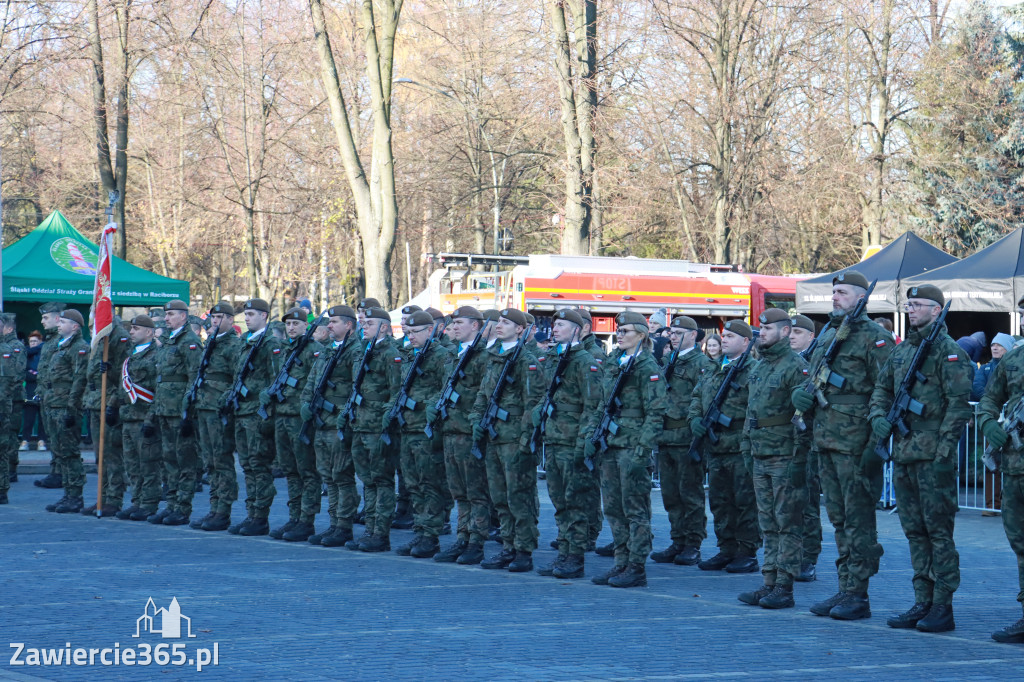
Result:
{"points": [[952, 358], [82, 352], [804, 370], [593, 368], [316, 354], [277, 351], [398, 360], [654, 377], [879, 343], [531, 367], [7, 356], [192, 346]]}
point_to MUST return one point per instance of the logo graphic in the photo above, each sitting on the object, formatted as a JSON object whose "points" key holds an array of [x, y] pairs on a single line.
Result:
{"points": [[169, 621], [73, 256]]}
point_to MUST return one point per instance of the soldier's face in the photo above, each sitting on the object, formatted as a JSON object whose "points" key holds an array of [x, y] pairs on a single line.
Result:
{"points": [[682, 338], [339, 326], [66, 328], [320, 334], [255, 320], [294, 328], [463, 329], [921, 311], [562, 331], [370, 326], [845, 296], [221, 322], [772, 334], [627, 337], [50, 320], [800, 339], [418, 336], [733, 344], [141, 334], [507, 330], [175, 318]]}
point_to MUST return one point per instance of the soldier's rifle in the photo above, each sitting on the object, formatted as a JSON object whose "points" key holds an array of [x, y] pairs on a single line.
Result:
{"points": [[494, 412], [713, 416], [608, 426], [903, 404], [284, 378], [402, 400], [822, 375], [449, 396], [1012, 424], [355, 398], [547, 407], [318, 402], [238, 388], [193, 391]]}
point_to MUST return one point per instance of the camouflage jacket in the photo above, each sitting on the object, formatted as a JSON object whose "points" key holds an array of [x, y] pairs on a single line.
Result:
{"points": [[944, 395], [843, 426], [142, 370], [1005, 387], [264, 368], [340, 387], [734, 406], [43, 367], [13, 364], [768, 430], [383, 376], [594, 347], [64, 365], [466, 387], [86, 391], [176, 365], [517, 398], [424, 386], [577, 397], [642, 415], [296, 377], [220, 372], [685, 374]]}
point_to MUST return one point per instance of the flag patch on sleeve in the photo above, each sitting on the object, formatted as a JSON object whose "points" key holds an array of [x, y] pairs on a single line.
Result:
{"points": [[593, 368], [82, 352], [398, 360], [879, 343], [952, 358], [192, 346], [277, 351], [531, 367], [654, 377]]}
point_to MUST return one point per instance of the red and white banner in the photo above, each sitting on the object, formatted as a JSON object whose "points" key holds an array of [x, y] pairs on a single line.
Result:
{"points": [[102, 308]]}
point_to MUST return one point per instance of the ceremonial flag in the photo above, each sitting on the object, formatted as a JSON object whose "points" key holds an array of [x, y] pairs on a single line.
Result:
{"points": [[102, 308]]}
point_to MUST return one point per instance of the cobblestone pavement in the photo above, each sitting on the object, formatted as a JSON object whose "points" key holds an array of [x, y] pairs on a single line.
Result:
{"points": [[278, 610]]}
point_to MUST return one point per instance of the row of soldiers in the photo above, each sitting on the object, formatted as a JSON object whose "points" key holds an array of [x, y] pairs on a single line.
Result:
{"points": [[466, 412]]}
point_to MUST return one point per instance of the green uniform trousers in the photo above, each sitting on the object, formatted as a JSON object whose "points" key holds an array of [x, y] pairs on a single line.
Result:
{"points": [[926, 500]]}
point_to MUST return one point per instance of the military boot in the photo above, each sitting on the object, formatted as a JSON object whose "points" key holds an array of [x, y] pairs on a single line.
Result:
{"points": [[51, 481], [716, 563], [855, 607], [807, 574], [908, 619], [634, 576], [255, 527], [690, 556], [425, 548], [1011, 634], [157, 519], [3, 497], [338, 538], [501, 560], [72, 505], [354, 543], [755, 597], [278, 533], [742, 564], [217, 522], [667, 555], [403, 517], [197, 524], [939, 619], [237, 528], [175, 518], [53, 507], [549, 569], [126, 513], [522, 563], [605, 577], [375, 543], [554, 543], [317, 538], [572, 567], [473, 555], [452, 554], [300, 532], [105, 510], [406, 549], [780, 598], [142, 514], [823, 608], [606, 550]]}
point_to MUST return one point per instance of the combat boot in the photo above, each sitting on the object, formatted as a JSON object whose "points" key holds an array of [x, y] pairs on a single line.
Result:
{"points": [[354, 543], [908, 619], [300, 532], [634, 576], [522, 563], [406, 549], [855, 607], [105, 510], [175, 518], [549, 569], [197, 524], [807, 574], [255, 527], [742, 564], [3, 497], [72, 505], [375, 543], [126, 514], [237, 528], [142, 514], [217, 522], [452, 554], [158, 518], [690, 556], [667, 555], [755, 597], [338, 538], [425, 548], [554, 543], [605, 577], [473, 555], [572, 567], [823, 608], [1011, 634], [939, 619], [606, 550], [501, 560], [403, 517], [317, 538], [780, 598], [278, 533], [53, 507], [716, 563], [51, 481]]}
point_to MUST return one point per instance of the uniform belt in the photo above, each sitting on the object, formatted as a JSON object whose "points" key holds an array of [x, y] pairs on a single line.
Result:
{"points": [[632, 413], [218, 376], [377, 398], [849, 399], [514, 411], [567, 406], [676, 423], [174, 378], [925, 425], [768, 422]]}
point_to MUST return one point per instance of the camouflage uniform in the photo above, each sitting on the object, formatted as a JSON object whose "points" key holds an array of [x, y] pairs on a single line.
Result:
{"points": [[812, 509], [777, 449], [592, 502], [67, 361], [177, 362], [216, 439], [627, 464], [141, 453], [841, 434], [925, 461], [47, 416], [13, 360], [682, 479]]}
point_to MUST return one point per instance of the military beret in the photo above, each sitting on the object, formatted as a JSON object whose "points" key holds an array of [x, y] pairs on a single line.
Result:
{"points": [[74, 316], [143, 321], [435, 314], [176, 304], [8, 319], [160, 324], [570, 315], [377, 313], [803, 322], [257, 304], [491, 315], [530, 319], [927, 291], [585, 314], [51, 307], [420, 318], [276, 327], [294, 314], [851, 277], [739, 327], [195, 319], [410, 309], [684, 322], [224, 308], [773, 315], [468, 312], [368, 303], [341, 311], [156, 313], [632, 318], [514, 316]]}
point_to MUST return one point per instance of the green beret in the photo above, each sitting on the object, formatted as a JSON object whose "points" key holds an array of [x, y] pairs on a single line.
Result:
{"points": [[515, 316], [224, 308], [739, 327], [632, 318], [51, 307], [74, 316], [570, 315], [368, 303], [851, 277], [684, 322], [276, 327], [468, 312], [257, 304], [176, 304], [491, 315], [530, 319], [341, 311], [420, 318], [435, 314], [927, 291], [773, 315], [804, 322], [377, 313], [143, 321], [195, 319], [410, 309], [297, 314]]}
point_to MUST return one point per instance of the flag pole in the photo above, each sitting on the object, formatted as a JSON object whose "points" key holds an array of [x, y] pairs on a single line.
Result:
{"points": [[103, 324], [103, 429]]}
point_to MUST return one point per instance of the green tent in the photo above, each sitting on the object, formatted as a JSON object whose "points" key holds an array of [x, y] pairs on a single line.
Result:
{"points": [[54, 262]]}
